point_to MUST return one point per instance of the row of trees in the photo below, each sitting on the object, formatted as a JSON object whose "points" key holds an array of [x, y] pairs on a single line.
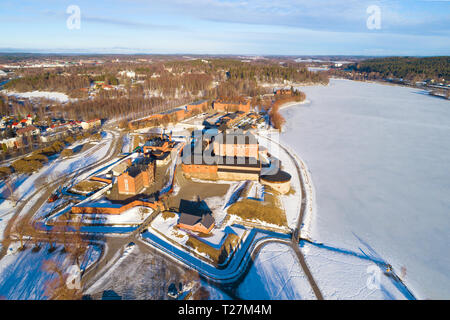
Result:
{"points": [[276, 119], [409, 68], [49, 81]]}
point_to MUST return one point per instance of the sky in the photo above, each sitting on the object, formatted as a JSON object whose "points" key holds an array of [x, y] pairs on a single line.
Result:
{"points": [[247, 27]]}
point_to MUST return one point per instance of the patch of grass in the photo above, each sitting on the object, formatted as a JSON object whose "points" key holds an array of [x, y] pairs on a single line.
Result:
{"points": [[66, 153], [96, 137], [217, 255], [37, 157], [88, 186], [5, 171], [267, 211], [168, 214], [24, 166]]}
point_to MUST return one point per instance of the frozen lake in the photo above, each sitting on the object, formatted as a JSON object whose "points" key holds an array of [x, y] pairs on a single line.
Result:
{"points": [[379, 157]]}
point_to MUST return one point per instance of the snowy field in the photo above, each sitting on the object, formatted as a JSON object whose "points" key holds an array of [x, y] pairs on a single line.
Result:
{"points": [[379, 158], [276, 275], [139, 275], [22, 274]]}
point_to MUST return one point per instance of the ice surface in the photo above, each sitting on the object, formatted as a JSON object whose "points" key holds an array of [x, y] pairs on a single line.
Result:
{"points": [[379, 158]]}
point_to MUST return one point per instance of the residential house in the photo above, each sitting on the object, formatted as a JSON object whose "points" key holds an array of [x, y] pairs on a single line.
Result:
{"points": [[195, 216]]}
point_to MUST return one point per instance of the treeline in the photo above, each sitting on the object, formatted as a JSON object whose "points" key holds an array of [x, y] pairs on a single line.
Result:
{"points": [[158, 86], [276, 119], [234, 89], [276, 73], [409, 68], [49, 81], [123, 107], [179, 85]]}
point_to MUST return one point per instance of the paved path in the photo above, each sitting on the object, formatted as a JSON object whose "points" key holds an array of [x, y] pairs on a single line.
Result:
{"points": [[296, 234]]}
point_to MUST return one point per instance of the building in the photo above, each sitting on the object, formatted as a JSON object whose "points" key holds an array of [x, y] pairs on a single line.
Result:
{"points": [[10, 143], [238, 168], [28, 131], [236, 143], [233, 156], [197, 107], [159, 144], [137, 177], [228, 105], [90, 124], [280, 181], [195, 216], [283, 92]]}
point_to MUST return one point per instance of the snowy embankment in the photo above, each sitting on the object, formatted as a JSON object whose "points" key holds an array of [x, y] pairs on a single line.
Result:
{"points": [[380, 163], [276, 275]]}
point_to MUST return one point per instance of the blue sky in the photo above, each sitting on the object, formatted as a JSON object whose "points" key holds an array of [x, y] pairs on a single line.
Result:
{"points": [[248, 27]]}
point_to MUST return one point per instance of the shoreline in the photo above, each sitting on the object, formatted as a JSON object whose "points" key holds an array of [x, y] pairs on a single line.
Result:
{"points": [[293, 103]]}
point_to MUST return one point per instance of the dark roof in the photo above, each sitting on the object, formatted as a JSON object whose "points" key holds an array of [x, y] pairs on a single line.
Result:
{"points": [[143, 161], [139, 165], [155, 142], [280, 176], [134, 171], [244, 162], [238, 161], [238, 171], [193, 212]]}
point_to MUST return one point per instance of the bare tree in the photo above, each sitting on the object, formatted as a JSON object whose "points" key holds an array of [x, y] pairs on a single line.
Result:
{"points": [[11, 196], [20, 228], [77, 245], [56, 289]]}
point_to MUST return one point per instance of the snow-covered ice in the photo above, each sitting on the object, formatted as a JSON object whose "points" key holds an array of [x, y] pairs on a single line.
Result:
{"points": [[380, 163], [345, 275]]}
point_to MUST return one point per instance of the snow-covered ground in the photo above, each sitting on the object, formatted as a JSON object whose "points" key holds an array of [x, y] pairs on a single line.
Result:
{"points": [[291, 202], [379, 159], [276, 275], [58, 96], [139, 274], [22, 276], [133, 216]]}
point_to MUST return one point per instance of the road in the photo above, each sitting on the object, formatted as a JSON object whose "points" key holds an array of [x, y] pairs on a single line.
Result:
{"points": [[296, 234]]}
